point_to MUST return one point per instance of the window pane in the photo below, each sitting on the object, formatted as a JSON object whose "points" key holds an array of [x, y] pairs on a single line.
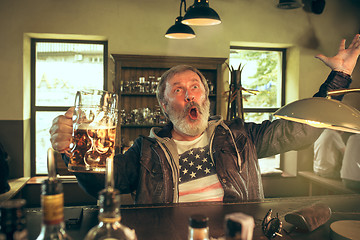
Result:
{"points": [[262, 71], [269, 164], [258, 117], [42, 139], [63, 68]]}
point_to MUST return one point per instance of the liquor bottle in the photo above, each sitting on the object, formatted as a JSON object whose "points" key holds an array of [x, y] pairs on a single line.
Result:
{"points": [[198, 227], [52, 205], [13, 220], [109, 226]]}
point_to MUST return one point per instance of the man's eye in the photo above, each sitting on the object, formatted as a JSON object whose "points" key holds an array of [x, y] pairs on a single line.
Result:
{"points": [[177, 90]]}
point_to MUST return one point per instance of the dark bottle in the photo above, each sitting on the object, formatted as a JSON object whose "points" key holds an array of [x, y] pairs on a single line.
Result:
{"points": [[198, 227], [13, 220], [52, 205]]}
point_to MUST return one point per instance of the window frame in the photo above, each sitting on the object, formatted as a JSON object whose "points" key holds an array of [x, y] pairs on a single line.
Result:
{"points": [[283, 76], [282, 157], [35, 108]]}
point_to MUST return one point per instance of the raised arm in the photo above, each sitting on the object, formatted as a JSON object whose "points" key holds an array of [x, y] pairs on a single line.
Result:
{"points": [[346, 58], [342, 65]]}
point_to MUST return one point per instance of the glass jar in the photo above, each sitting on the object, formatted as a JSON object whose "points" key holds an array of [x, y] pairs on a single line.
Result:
{"points": [[198, 227]]}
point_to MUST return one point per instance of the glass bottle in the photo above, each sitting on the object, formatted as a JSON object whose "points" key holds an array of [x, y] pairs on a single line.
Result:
{"points": [[13, 220], [198, 227], [109, 227], [52, 206]]}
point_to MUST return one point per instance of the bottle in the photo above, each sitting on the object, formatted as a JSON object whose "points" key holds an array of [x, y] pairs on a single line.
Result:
{"points": [[109, 227], [198, 227], [52, 206], [13, 220]]}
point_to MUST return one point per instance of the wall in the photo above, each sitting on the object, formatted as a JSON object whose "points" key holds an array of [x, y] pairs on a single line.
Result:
{"points": [[138, 27]]}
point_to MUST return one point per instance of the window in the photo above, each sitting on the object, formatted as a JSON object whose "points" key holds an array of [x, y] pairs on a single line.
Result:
{"points": [[58, 69], [263, 71]]}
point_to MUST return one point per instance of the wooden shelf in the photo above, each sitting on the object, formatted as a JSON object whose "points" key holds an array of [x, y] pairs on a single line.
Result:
{"points": [[141, 125], [130, 68]]}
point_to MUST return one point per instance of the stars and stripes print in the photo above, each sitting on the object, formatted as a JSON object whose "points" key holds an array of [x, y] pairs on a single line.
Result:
{"points": [[198, 180]]}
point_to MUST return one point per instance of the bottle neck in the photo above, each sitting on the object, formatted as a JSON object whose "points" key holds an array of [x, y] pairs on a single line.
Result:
{"points": [[109, 201], [53, 227], [53, 209], [109, 215]]}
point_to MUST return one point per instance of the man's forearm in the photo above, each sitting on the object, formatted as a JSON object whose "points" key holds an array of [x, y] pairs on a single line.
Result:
{"points": [[336, 80]]}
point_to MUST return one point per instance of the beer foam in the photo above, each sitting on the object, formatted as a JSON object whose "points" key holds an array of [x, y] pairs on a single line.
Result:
{"points": [[87, 126]]}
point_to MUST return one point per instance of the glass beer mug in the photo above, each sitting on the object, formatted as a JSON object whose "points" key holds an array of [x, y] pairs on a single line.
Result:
{"points": [[94, 129]]}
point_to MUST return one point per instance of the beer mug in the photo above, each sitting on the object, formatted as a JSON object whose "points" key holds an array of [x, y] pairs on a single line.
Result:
{"points": [[94, 129]]}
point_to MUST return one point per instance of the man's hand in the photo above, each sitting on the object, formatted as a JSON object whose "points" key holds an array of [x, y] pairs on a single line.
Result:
{"points": [[61, 131], [345, 59]]}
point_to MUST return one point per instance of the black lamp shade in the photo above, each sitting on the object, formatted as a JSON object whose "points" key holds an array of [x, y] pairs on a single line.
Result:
{"points": [[180, 31], [317, 6], [200, 14]]}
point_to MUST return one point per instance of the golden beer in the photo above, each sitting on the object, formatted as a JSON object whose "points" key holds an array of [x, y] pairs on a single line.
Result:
{"points": [[91, 147]]}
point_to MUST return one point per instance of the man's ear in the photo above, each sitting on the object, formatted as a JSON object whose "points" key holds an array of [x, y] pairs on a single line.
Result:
{"points": [[163, 106]]}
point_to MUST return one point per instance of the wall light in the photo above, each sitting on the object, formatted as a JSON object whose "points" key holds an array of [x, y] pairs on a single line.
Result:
{"points": [[180, 30], [323, 112], [200, 14]]}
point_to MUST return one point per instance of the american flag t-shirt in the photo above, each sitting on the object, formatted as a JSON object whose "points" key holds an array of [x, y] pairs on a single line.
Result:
{"points": [[198, 180]]}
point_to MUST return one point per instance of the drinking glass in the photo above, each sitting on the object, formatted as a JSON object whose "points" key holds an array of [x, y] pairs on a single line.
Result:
{"points": [[94, 129]]}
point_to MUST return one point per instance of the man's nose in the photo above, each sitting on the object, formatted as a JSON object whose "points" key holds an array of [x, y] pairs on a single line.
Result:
{"points": [[189, 97]]}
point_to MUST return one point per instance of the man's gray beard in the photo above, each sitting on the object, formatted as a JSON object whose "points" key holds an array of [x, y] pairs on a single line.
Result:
{"points": [[198, 126]]}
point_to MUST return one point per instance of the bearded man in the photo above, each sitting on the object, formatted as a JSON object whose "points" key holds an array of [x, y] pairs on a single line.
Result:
{"points": [[200, 158]]}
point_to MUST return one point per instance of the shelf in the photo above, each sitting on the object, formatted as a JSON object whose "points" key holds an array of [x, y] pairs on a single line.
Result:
{"points": [[212, 95], [130, 68], [138, 94], [141, 125]]}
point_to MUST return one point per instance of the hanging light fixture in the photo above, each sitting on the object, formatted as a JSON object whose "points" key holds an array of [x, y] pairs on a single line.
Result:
{"points": [[180, 30], [323, 112], [289, 4], [200, 14]]}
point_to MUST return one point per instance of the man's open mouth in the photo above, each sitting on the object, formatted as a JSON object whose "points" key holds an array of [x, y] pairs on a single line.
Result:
{"points": [[193, 113]]}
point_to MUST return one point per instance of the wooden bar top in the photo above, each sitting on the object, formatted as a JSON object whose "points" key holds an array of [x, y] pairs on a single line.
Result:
{"points": [[171, 221], [15, 186]]}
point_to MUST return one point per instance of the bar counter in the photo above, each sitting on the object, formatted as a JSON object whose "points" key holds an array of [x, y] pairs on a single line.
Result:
{"points": [[171, 221]]}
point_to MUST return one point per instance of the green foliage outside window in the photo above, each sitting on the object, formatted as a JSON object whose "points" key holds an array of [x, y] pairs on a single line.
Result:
{"points": [[262, 72]]}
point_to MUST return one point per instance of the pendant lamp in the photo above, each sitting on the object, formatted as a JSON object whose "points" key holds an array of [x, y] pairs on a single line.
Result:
{"points": [[180, 30], [323, 112], [200, 14]]}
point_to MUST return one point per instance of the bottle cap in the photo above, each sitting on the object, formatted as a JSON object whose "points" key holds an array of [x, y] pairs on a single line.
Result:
{"points": [[198, 221]]}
